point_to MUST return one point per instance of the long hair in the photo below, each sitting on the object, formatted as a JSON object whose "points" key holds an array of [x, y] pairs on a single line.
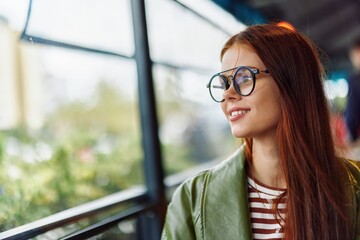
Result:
{"points": [[315, 195]]}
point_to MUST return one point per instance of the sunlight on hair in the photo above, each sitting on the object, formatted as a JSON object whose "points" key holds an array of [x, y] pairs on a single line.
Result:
{"points": [[286, 25]]}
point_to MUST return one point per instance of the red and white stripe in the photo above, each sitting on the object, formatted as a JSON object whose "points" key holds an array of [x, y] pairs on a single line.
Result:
{"points": [[266, 223]]}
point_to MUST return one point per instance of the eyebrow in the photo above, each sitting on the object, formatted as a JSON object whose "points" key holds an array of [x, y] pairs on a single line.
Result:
{"points": [[219, 73]]}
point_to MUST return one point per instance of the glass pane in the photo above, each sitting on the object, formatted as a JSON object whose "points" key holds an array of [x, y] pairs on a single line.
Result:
{"points": [[178, 36], [192, 125], [101, 24], [69, 129]]}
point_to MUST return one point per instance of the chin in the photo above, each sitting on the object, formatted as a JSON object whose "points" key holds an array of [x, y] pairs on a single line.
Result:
{"points": [[239, 134]]}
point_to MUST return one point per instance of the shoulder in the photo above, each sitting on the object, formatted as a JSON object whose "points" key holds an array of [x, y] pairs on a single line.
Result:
{"points": [[222, 171], [184, 218], [195, 187], [194, 190]]}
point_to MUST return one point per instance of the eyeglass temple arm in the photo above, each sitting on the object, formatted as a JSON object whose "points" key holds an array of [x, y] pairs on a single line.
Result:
{"points": [[220, 87]]}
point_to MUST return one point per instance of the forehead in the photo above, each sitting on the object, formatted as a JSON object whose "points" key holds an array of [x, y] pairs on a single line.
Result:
{"points": [[241, 55]]}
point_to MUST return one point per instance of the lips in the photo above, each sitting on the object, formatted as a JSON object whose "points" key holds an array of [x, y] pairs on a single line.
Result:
{"points": [[236, 113], [239, 112]]}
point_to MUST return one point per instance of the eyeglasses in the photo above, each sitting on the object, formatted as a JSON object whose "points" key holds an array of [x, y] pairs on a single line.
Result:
{"points": [[243, 80]]}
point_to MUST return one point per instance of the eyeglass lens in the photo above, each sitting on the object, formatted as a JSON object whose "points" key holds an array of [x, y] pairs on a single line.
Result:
{"points": [[244, 84]]}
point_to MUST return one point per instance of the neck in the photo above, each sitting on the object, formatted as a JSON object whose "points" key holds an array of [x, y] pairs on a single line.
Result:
{"points": [[266, 164]]}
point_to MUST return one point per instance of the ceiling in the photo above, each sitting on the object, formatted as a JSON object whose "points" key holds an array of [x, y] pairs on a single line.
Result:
{"points": [[332, 24]]}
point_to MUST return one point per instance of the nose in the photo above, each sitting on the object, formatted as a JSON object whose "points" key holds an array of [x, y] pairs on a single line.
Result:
{"points": [[231, 92]]}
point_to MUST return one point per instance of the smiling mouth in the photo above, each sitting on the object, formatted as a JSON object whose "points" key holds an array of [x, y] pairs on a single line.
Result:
{"points": [[239, 112]]}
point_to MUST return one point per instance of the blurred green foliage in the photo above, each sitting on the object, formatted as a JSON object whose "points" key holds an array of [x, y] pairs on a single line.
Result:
{"points": [[85, 151]]}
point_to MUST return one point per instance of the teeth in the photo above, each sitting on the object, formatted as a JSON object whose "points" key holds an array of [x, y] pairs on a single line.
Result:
{"points": [[240, 112]]}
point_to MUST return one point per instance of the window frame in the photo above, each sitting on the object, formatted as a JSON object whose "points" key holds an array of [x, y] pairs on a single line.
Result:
{"points": [[144, 200]]}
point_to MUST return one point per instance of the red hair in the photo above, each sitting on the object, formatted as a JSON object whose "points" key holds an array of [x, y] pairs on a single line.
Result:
{"points": [[315, 196]]}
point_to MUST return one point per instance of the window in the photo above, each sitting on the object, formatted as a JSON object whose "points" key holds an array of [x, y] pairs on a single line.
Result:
{"points": [[185, 48], [70, 126], [69, 122]]}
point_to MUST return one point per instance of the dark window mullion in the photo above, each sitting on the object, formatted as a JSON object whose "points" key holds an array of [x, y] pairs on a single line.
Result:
{"points": [[153, 168]]}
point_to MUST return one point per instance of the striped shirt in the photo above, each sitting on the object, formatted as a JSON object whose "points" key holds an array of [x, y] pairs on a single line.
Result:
{"points": [[267, 223]]}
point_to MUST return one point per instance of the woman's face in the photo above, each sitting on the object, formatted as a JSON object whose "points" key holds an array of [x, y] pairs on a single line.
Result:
{"points": [[256, 115]]}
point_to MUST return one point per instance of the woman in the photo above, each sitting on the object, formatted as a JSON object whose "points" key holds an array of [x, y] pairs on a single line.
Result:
{"points": [[285, 182]]}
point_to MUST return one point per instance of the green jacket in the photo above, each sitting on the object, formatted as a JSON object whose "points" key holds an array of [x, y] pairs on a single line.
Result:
{"points": [[214, 204]]}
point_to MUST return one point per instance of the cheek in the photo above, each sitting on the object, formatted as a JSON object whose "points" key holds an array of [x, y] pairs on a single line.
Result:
{"points": [[267, 106]]}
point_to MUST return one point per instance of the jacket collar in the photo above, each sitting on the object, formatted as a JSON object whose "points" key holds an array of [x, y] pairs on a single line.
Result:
{"points": [[227, 195]]}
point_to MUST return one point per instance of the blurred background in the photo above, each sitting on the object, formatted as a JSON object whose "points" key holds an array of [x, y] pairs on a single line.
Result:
{"points": [[70, 123]]}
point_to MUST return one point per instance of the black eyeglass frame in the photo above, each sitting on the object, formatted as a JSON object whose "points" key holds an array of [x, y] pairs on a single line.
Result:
{"points": [[252, 70]]}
